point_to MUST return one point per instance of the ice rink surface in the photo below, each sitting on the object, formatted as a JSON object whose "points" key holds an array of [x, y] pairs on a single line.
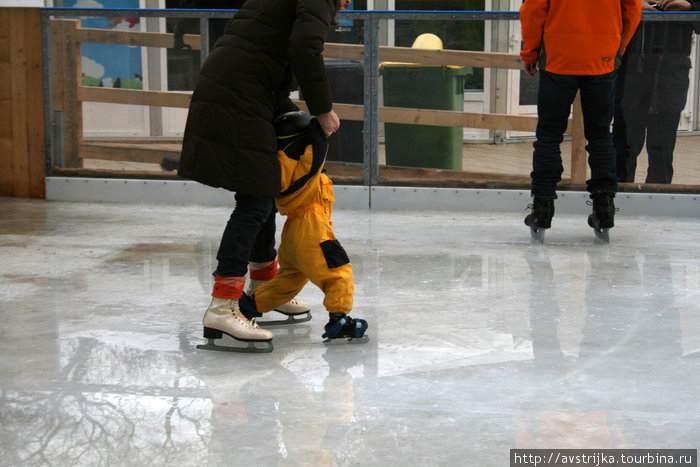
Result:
{"points": [[480, 342]]}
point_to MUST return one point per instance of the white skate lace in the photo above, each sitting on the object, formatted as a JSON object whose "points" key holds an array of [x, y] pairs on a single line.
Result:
{"points": [[236, 312]]}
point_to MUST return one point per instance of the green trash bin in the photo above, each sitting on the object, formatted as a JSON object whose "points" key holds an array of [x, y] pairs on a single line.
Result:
{"points": [[424, 87]]}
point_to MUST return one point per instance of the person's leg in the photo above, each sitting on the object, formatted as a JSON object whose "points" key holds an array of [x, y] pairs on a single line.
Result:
{"points": [[223, 314], [554, 98], [263, 250], [619, 128], [271, 294], [263, 267], [638, 84], [597, 104], [661, 142], [241, 235], [636, 128]]}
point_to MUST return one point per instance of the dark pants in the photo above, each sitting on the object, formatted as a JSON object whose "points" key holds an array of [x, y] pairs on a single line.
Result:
{"points": [[651, 93], [555, 95], [660, 129], [249, 236]]}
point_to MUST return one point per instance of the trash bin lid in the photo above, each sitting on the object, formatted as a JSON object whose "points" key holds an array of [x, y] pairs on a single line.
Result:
{"points": [[426, 41]]}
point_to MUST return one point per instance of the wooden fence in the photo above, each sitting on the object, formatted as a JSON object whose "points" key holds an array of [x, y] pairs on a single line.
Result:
{"points": [[22, 168], [69, 93]]}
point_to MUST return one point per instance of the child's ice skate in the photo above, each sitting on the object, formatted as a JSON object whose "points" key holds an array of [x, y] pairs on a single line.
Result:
{"points": [[540, 218], [602, 219], [224, 317], [342, 326], [297, 311], [294, 312]]}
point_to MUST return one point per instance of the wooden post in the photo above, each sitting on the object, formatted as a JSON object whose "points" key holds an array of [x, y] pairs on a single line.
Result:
{"points": [[66, 75], [21, 104], [578, 144]]}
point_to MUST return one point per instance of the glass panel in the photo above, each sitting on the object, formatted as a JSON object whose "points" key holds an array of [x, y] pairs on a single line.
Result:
{"points": [[656, 115], [456, 35]]}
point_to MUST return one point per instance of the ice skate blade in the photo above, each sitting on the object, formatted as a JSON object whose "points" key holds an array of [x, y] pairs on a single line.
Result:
{"points": [[602, 235], [347, 340], [251, 348], [537, 235], [291, 319]]}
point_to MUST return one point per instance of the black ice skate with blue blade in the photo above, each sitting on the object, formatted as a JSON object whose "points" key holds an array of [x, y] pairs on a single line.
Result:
{"points": [[342, 326], [250, 311]]}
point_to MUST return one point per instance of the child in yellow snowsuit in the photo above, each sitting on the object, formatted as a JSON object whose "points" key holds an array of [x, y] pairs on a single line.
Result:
{"points": [[309, 251]]}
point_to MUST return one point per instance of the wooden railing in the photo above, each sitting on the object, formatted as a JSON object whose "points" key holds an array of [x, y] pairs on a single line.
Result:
{"points": [[69, 94]]}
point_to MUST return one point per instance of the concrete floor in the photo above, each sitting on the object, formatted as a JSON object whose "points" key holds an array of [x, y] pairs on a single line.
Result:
{"points": [[479, 342]]}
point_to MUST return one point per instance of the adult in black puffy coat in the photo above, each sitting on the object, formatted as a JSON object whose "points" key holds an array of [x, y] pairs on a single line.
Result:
{"points": [[230, 141]]}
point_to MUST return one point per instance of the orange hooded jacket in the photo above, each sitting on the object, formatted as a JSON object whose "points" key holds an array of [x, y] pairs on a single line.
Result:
{"points": [[577, 37]]}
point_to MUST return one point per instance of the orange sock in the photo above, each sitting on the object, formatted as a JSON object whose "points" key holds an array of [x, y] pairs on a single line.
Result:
{"points": [[228, 287], [263, 271]]}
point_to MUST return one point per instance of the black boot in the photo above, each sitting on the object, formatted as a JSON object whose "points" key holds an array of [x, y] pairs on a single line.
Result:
{"points": [[542, 213], [540, 218], [603, 216]]}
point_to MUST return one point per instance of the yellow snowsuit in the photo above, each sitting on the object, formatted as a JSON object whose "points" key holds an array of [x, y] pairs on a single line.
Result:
{"points": [[309, 250]]}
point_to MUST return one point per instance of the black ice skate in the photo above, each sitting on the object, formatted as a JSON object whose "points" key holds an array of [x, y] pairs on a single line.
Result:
{"points": [[342, 326], [293, 315], [540, 219], [602, 219]]}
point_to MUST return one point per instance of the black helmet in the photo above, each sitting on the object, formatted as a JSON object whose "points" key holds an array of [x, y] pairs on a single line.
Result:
{"points": [[292, 137]]}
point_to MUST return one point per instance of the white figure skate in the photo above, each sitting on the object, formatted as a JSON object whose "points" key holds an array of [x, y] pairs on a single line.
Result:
{"points": [[224, 317], [295, 310]]}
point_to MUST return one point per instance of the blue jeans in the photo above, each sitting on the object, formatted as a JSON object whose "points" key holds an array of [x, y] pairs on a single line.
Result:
{"points": [[249, 236], [555, 95]]}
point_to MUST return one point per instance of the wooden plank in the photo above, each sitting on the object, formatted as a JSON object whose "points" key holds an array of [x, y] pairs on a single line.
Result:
{"points": [[5, 106], [135, 38], [344, 51], [437, 117], [140, 140], [59, 64], [4, 55], [18, 92], [466, 58], [128, 152], [108, 173], [450, 57], [578, 144], [457, 119], [65, 81], [134, 97], [35, 105], [74, 120]]}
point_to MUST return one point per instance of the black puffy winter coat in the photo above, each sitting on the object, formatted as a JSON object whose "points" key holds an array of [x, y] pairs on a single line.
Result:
{"points": [[229, 139]]}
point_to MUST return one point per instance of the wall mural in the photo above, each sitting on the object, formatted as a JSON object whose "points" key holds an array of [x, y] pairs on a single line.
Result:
{"points": [[108, 65]]}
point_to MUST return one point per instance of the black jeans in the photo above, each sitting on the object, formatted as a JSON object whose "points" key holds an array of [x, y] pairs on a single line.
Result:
{"points": [[555, 95], [249, 236]]}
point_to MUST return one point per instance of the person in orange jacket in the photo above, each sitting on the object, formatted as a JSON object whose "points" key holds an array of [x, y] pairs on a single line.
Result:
{"points": [[576, 45], [309, 250]]}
